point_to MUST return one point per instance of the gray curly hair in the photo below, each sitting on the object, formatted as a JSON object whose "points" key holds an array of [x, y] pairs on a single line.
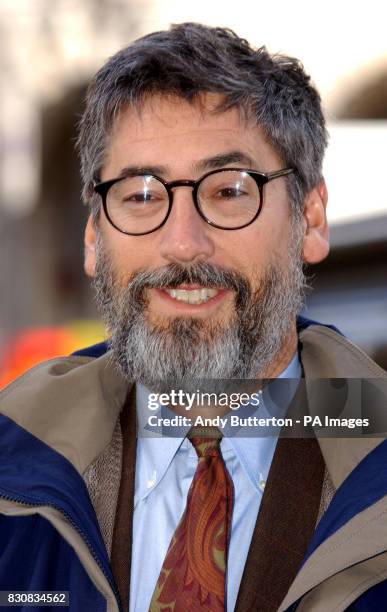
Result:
{"points": [[190, 59]]}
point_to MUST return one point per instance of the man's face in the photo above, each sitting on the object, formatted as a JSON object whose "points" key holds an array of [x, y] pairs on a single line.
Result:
{"points": [[255, 272]]}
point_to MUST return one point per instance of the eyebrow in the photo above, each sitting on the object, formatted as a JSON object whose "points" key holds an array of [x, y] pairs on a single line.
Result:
{"points": [[209, 163], [134, 170], [224, 159]]}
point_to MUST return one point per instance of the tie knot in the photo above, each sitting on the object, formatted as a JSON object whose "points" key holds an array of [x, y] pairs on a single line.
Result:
{"points": [[205, 440]]}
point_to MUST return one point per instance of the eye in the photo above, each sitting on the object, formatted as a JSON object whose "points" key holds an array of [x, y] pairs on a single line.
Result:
{"points": [[229, 193], [143, 196]]}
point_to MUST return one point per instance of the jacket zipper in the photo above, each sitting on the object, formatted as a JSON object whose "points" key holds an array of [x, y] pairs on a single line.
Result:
{"points": [[78, 529]]}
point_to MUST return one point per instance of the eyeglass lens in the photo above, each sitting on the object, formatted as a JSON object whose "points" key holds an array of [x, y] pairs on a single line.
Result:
{"points": [[138, 204]]}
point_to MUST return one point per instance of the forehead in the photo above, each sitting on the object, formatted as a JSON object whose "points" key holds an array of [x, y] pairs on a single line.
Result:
{"points": [[178, 134]]}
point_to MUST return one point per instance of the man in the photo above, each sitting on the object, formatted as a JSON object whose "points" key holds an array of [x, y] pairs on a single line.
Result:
{"points": [[201, 161]]}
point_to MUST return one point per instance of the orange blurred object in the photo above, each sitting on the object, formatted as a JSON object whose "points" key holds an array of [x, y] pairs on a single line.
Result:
{"points": [[33, 346]]}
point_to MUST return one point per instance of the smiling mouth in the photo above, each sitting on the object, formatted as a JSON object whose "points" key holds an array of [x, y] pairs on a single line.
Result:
{"points": [[194, 295]]}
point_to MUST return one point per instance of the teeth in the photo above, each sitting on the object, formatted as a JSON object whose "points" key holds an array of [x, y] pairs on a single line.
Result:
{"points": [[192, 296]]}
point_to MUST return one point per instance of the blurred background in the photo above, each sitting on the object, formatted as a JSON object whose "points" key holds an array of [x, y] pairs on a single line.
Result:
{"points": [[49, 49]]}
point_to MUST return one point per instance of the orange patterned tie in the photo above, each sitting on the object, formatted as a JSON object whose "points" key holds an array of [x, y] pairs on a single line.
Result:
{"points": [[194, 570]]}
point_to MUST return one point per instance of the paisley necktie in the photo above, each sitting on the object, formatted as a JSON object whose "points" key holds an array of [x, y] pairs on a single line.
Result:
{"points": [[193, 575]]}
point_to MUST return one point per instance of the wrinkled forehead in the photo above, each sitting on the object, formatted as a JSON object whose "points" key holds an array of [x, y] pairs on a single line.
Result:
{"points": [[205, 104], [170, 111], [171, 130]]}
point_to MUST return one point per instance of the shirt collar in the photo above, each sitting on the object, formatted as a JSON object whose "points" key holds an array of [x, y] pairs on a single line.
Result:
{"points": [[154, 453], [256, 453]]}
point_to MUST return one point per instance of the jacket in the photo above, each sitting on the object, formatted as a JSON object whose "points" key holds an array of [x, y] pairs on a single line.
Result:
{"points": [[59, 417]]}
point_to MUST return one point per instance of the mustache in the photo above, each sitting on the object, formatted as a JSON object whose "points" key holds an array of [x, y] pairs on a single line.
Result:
{"points": [[174, 274]]}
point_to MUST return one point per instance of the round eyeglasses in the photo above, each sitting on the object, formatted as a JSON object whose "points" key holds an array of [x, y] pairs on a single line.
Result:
{"points": [[229, 199]]}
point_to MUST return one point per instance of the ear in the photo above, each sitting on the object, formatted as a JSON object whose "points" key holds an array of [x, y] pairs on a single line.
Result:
{"points": [[316, 238], [90, 247]]}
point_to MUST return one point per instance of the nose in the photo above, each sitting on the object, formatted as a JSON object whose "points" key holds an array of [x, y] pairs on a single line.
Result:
{"points": [[186, 236]]}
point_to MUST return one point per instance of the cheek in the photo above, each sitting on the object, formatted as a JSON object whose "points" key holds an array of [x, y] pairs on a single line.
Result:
{"points": [[127, 253], [252, 249]]}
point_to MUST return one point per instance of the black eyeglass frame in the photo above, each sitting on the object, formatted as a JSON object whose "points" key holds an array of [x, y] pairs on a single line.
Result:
{"points": [[260, 178]]}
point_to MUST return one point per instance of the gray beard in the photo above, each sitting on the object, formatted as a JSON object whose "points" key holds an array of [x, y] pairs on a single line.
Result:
{"points": [[184, 350]]}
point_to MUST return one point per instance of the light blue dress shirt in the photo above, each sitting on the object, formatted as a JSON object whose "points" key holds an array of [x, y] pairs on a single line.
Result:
{"points": [[164, 471]]}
